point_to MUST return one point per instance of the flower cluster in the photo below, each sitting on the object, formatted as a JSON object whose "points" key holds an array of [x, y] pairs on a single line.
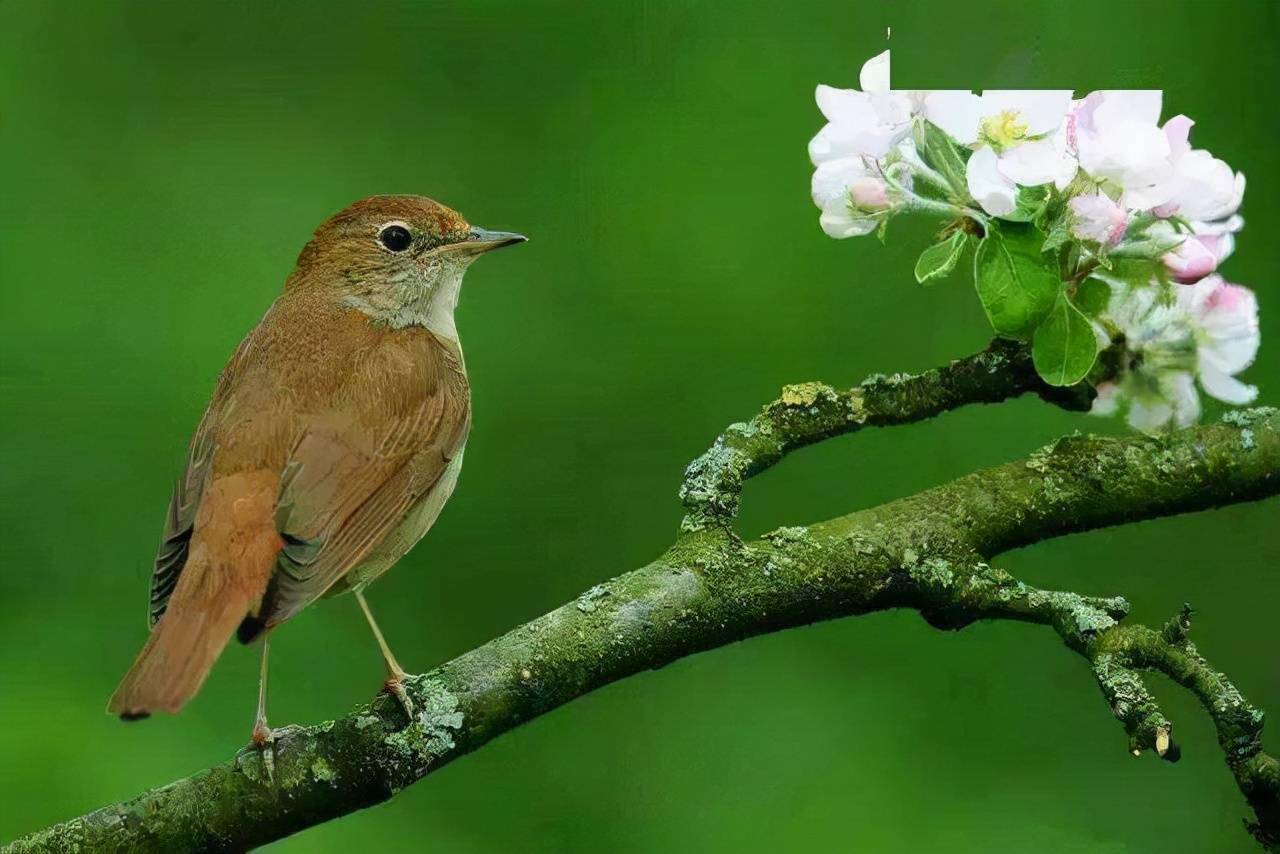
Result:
{"points": [[1092, 223], [1210, 330]]}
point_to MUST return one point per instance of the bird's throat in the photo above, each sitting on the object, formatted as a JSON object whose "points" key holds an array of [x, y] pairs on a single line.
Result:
{"points": [[414, 302]]}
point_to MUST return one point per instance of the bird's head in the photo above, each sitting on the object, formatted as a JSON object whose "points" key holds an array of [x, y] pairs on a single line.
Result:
{"points": [[399, 259]]}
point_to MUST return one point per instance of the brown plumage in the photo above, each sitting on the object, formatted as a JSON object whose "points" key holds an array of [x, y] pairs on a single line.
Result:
{"points": [[333, 438]]}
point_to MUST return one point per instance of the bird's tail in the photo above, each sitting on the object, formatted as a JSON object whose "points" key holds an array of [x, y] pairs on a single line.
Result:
{"points": [[233, 550]]}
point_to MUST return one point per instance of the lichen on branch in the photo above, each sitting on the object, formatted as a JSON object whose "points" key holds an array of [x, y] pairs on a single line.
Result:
{"points": [[932, 552], [811, 412]]}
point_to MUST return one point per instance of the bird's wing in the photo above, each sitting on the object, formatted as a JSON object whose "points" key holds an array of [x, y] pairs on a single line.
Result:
{"points": [[358, 468], [171, 555]]}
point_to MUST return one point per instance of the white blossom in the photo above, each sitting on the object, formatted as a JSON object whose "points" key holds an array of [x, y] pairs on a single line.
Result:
{"points": [[1225, 323], [1208, 332], [852, 195], [1016, 136], [1203, 187], [1118, 139], [995, 192], [1120, 190], [861, 123]]}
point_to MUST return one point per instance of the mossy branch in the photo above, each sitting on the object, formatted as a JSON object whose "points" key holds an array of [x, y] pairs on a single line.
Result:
{"points": [[930, 552], [810, 412]]}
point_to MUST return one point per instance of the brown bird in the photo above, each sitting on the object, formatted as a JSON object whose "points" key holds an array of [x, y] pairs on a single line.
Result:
{"points": [[333, 439]]}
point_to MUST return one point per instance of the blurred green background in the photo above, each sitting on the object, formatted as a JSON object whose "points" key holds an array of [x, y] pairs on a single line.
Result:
{"points": [[160, 167]]}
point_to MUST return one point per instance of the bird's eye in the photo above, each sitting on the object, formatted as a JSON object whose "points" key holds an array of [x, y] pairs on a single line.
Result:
{"points": [[395, 237]]}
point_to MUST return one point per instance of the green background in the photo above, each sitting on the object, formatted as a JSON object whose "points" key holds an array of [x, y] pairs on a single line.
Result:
{"points": [[160, 167]]}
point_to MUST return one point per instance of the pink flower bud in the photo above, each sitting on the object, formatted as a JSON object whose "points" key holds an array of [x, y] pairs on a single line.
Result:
{"points": [[869, 193], [1095, 217], [1196, 258]]}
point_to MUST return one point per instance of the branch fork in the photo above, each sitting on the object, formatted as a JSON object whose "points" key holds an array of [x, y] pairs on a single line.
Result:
{"points": [[932, 552]]}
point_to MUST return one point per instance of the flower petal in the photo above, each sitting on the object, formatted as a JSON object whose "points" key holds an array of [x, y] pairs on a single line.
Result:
{"points": [[839, 222], [1227, 315], [1130, 154], [820, 147], [1150, 415], [1225, 244], [859, 123], [1043, 110], [1134, 155], [996, 193], [1116, 106], [1225, 387], [874, 76], [1095, 217], [832, 179], [957, 112], [1229, 349], [1194, 258], [1204, 187], [1178, 130], [848, 106], [1107, 400], [1180, 390], [1230, 225], [837, 141], [1032, 163]]}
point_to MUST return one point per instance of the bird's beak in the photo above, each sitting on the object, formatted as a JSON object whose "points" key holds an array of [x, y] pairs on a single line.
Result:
{"points": [[482, 240]]}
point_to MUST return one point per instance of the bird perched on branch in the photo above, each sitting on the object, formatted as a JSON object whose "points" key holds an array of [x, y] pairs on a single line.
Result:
{"points": [[333, 439]]}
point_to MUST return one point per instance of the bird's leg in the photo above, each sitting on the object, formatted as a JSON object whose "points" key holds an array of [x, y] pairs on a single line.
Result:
{"points": [[263, 738], [395, 673]]}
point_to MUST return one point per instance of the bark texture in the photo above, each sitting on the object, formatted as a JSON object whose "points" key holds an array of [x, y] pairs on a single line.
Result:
{"points": [[932, 552]]}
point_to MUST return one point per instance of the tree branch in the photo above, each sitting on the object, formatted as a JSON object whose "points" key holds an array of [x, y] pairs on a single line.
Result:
{"points": [[929, 552], [1118, 655], [810, 412]]}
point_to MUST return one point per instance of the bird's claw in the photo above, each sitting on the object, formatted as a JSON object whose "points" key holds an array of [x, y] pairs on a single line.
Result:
{"points": [[395, 687], [264, 741]]}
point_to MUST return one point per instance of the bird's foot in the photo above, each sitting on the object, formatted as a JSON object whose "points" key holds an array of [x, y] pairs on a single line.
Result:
{"points": [[264, 741], [395, 687]]}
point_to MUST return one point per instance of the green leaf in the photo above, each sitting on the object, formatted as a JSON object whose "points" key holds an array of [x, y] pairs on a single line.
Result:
{"points": [[1055, 208], [1092, 296], [1147, 245], [1059, 233], [882, 230], [1100, 257], [1064, 347], [940, 259], [1029, 204], [1132, 272], [944, 155], [1016, 283]]}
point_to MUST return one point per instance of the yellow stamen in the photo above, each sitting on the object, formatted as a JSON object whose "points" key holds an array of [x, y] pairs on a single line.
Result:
{"points": [[1003, 130]]}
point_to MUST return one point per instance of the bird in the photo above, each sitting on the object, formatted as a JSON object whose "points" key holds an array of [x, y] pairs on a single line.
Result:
{"points": [[334, 437]]}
